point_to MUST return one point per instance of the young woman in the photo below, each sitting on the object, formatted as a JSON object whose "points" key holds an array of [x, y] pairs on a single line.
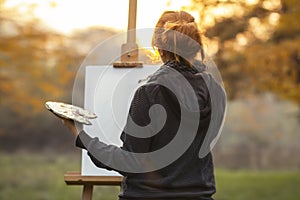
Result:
{"points": [[188, 176]]}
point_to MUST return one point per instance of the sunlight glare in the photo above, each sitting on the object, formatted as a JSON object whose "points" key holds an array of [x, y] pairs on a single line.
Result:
{"points": [[252, 2], [209, 20], [242, 39], [274, 18], [228, 11], [68, 15], [259, 29], [271, 4]]}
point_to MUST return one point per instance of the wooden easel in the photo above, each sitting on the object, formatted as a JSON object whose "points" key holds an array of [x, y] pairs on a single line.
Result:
{"points": [[129, 58], [88, 182], [129, 50]]}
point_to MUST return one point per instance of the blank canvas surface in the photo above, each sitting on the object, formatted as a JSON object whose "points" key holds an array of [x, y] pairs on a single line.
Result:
{"points": [[108, 93]]}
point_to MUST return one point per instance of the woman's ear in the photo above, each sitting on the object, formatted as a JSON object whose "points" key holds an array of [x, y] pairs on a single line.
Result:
{"points": [[161, 53]]}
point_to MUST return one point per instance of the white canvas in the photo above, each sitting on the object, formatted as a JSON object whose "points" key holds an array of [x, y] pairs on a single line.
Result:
{"points": [[108, 93]]}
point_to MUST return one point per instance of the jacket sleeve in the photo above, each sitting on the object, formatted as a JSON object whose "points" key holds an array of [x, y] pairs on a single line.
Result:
{"points": [[86, 142]]}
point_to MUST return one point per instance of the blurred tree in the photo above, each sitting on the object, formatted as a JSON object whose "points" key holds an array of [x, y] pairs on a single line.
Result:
{"points": [[35, 63], [278, 66], [257, 48], [256, 44]]}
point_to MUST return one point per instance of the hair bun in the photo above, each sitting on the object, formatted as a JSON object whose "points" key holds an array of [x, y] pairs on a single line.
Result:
{"points": [[171, 25], [184, 16], [178, 33]]}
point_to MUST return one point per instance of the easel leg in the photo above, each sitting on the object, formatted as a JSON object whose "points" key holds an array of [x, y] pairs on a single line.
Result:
{"points": [[87, 192]]}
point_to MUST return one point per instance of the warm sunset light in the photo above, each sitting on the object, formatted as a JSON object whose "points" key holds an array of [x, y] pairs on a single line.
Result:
{"points": [[67, 15], [69, 51]]}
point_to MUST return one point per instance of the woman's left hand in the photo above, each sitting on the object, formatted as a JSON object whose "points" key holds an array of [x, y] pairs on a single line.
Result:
{"points": [[70, 125]]}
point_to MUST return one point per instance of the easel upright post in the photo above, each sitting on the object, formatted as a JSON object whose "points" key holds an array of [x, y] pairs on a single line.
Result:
{"points": [[131, 34], [129, 50]]}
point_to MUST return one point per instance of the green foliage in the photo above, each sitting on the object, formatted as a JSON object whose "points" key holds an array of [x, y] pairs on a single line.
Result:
{"points": [[259, 185], [40, 176]]}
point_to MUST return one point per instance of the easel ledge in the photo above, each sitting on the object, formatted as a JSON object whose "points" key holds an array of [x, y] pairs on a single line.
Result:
{"points": [[75, 178]]}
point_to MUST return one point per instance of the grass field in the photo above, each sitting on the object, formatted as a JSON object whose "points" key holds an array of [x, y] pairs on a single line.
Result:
{"points": [[40, 177]]}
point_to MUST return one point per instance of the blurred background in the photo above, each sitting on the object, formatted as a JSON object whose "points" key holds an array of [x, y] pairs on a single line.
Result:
{"points": [[255, 44]]}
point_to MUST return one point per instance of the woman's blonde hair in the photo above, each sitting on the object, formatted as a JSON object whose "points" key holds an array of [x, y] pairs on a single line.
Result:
{"points": [[177, 37]]}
